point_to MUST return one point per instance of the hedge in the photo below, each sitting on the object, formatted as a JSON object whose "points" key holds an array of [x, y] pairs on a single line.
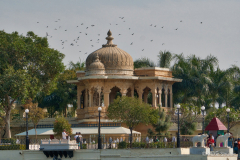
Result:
{"points": [[13, 147]]}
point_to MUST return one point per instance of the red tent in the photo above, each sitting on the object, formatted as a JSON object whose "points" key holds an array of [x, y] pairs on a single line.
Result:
{"points": [[215, 124]]}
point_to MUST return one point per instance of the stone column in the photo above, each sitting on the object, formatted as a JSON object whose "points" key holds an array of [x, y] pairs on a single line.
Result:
{"points": [[123, 91], [140, 92], [106, 97], [90, 98], [166, 95], [171, 102], [160, 97], [132, 91], [86, 98], [99, 90], [154, 95]]}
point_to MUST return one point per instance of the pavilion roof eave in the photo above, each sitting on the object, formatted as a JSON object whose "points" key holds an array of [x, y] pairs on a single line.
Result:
{"points": [[129, 77], [162, 78], [107, 77]]}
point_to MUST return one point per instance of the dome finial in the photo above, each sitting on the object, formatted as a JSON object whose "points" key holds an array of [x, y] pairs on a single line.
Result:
{"points": [[109, 33], [97, 58], [109, 38]]}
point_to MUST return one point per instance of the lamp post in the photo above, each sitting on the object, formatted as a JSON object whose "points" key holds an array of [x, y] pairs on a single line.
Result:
{"points": [[178, 134], [228, 110], [99, 134], [27, 140], [203, 109]]}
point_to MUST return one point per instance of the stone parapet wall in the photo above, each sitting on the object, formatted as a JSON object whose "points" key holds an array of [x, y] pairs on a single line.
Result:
{"points": [[117, 154]]}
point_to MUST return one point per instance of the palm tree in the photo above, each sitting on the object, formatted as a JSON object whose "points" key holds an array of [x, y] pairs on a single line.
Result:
{"points": [[164, 59], [143, 62]]}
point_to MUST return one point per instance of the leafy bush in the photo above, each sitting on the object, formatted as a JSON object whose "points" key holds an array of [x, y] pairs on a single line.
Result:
{"points": [[10, 140], [13, 147], [84, 146], [122, 145]]}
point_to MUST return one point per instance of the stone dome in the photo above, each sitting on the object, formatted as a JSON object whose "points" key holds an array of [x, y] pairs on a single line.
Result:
{"points": [[96, 67], [115, 60]]}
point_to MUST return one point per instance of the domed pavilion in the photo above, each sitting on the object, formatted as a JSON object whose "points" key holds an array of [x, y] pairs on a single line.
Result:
{"points": [[110, 72]]}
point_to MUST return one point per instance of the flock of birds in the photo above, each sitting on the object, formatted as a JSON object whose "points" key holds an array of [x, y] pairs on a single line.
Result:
{"points": [[74, 42]]}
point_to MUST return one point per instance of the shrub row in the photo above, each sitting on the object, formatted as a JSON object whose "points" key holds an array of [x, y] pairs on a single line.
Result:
{"points": [[123, 145], [13, 147]]}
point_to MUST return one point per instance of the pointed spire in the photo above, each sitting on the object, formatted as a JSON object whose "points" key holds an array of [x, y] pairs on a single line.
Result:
{"points": [[97, 58], [109, 39]]}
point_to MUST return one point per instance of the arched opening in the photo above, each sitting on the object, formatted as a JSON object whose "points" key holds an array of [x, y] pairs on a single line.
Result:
{"points": [[129, 91], [163, 97], [147, 95], [136, 93], [115, 92], [95, 97], [82, 100]]}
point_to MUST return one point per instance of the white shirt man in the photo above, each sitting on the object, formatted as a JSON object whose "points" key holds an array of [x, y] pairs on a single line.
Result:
{"points": [[64, 134]]}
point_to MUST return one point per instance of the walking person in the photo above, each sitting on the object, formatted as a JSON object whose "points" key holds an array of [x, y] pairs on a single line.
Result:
{"points": [[238, 148], [81, 139], [77, 138], [230, 141], [64, 134]]}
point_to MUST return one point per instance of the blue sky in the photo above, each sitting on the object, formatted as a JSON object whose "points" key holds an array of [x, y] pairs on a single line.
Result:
{"points": [[219, 33]]}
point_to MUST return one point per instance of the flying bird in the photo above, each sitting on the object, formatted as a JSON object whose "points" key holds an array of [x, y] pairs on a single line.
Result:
{"points": [[163, 44], [131, 43], [201, 22], [151, 25], [86, 33], [143, 50], [47, 26], [119, 34], [133, 34], [181, 21], [81, 23], [92, 25], [162, 26], [87, 28], [129, 28], [155, 26], [151, 40], [65, 30], [86, 53], [46, 34], [176, 29]]}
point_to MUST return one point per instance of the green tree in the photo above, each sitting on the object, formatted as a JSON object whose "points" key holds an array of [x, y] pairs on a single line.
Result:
{"points": [[132, 111], [164, 59], [59, 125], [65, 93], [35, 113], [163, 123], [189, 116], [221, 114], [195, 74], [27, 66], [143, 62]]}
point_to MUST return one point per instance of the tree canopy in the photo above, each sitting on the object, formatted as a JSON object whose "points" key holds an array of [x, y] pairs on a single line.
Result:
{"points": [[27, 66], [59, 125], [132, 111]]}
